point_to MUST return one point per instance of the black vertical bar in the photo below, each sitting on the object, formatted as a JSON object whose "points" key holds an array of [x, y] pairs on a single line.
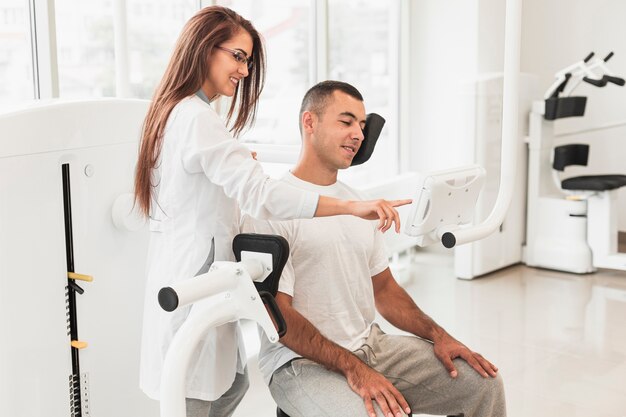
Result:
{"points": [[69, 255]]}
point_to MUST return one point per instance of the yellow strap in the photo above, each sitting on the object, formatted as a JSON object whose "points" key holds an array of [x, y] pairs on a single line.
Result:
{"points": [[81, 277], [78, 344], [575, 197]]}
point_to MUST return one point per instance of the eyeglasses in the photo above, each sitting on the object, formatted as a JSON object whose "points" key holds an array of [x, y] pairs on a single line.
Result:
{"points": [[239, 56]]}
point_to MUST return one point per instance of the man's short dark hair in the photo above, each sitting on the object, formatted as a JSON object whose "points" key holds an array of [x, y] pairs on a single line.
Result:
{"points": [[317, 97]]}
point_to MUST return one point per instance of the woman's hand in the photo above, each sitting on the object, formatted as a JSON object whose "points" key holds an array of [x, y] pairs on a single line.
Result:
{"points": [[369, 210], [378, 209]]}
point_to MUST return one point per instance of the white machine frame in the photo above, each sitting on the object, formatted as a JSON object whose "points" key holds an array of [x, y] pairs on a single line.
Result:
{"points": [[98, 140], [565, 231], [509, 149], [224, 294]]}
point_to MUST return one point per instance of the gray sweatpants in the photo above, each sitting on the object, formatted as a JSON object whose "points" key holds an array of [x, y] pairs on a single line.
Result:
{"points": [[225, 405], [304, 388]]}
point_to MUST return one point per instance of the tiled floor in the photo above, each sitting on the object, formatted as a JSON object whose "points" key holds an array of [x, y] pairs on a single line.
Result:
{"points": [[558, 339]]}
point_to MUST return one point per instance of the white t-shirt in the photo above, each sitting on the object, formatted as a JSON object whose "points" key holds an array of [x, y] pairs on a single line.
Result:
{"points": [[328, 273]]}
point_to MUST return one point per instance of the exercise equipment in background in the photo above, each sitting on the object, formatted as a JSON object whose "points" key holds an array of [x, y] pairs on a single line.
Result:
{"points": [[572, 222]]}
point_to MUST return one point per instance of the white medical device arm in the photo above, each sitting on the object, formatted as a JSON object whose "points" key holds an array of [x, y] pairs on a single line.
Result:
{"points": [[444, 202], [226, 293], [446, 199], [206, 285], [510, 135]]}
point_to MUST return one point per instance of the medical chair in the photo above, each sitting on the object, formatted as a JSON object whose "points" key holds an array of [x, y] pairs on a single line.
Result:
{"points": [[600, 192]]}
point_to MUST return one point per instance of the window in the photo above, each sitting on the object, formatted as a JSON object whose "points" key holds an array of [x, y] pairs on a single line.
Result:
{"points": [[16, 63], [153, 27], [284, 25], [85, 48], [102, 53], [361, 48], [363, 53]]}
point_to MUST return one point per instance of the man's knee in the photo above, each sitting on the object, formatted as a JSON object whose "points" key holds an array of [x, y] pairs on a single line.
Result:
{"points": [[490, 399], [494, 386], [488, 393], [478, 384]]}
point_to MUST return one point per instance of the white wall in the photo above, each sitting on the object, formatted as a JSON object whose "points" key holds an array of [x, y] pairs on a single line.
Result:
{"points": [[453, 42], [557, 33], [444, 56]]}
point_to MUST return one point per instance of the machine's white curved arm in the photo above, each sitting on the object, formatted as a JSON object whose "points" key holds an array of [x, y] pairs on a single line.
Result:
{"points": [[577, 71], [224, 294], [510, 135], [180, 351], [590, 69], [443, 204]]}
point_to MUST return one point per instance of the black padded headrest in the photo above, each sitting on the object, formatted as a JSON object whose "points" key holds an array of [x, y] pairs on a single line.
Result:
{"points": [[373, 126]]}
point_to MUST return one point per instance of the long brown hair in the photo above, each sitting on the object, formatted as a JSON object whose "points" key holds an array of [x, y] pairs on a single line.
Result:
{"points": [[184, 76]]}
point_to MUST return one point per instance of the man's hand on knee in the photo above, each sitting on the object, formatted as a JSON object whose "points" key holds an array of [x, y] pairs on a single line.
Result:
{"points": [[447, 349], [372, 386]]}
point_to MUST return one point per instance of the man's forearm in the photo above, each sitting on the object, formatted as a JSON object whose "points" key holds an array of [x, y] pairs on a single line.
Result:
{"points": [[304, 339], [399, 309], [394, 304]]}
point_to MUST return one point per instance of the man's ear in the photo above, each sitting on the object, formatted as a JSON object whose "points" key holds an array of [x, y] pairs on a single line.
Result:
{"points": [[308, 119]]}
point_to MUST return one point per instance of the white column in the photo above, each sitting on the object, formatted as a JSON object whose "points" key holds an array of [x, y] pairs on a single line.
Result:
{"points": [[120, 35], [44, 48]]}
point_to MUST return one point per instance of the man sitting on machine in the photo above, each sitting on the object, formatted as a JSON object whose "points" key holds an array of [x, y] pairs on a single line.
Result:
{"points": [[334, 357]]}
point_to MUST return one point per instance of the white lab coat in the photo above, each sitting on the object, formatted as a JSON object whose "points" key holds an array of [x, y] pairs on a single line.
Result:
{"points": [[203, 177]]}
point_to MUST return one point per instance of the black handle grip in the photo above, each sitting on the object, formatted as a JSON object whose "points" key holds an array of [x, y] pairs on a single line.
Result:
{"points": [[168, 299], [598, 83], [591, 54], [269, 301], [609, 56], [448, 240], [615, 80]]}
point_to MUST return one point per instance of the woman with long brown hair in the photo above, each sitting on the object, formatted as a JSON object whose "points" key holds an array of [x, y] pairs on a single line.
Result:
{"points": [[192, 177]]}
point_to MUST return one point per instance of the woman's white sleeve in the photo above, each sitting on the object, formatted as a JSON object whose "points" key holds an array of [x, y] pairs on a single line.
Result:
{"points": [[210, 148]]}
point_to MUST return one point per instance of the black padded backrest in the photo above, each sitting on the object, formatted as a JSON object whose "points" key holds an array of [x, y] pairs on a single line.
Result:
{"points": [[373, 126], [574, 154]]}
